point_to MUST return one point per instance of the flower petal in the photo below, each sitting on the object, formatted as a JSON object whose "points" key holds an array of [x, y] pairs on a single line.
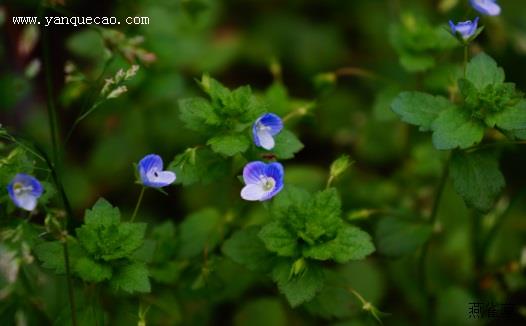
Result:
{"points": [[149, 163], [273, 121], [265, 139], [253, 171], [253, 192], [486, 7], [26, 201]]}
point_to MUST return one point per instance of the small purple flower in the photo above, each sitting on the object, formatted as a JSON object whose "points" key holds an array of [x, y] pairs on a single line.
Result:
{"points": [[264, 130], [24, 191], [152, 174], [263, 181], [466, 29], [486, 7]]}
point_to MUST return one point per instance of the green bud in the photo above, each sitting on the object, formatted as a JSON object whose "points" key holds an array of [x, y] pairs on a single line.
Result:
{"points": [[298, 267], [339, 166]]}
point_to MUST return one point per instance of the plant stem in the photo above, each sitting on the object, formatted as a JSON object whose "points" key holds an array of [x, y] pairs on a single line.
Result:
{"points": [[432, 220], [138, 204], [466, 55], [70, 285]]}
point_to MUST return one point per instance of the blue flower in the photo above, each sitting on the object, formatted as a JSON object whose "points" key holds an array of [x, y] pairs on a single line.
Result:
{"points": [[466, 29], [24, 191], [263, 181], [152, 174], [265, 127], [486, 7]]}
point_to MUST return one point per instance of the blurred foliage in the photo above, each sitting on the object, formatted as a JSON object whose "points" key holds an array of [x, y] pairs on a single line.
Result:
{"points": [[349, 78]]}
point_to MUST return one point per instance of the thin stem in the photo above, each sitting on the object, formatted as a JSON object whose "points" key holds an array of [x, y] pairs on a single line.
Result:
{"points": [[466, 56], [138, 204], [70, 285], [297, 112], [432, 220]]}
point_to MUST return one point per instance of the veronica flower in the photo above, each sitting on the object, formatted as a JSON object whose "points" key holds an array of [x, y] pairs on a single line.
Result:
{"points": [[465, 29], [486, 7], [264, 130], [24, 191], [263, 181], [152, 174]]}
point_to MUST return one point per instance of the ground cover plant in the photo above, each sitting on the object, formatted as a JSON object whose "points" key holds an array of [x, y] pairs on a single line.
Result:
{"points": [[202, 162]]}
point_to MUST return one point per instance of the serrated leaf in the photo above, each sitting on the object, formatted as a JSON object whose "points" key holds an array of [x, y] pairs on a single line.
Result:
{"points": [[477, 178], [229, 145], [455, 128], [198, 114], [419, 109], [300, 288], [246, 248], [482, 71], [131, 278], [92, 271], [287, 145], [400, 236], [512, 119], [198, 231], [102, 214], [52, 255], [351, 243], [129, 238], [278, 239], [204, 166]]}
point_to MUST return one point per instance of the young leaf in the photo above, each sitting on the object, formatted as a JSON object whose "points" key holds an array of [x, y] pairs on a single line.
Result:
{"points": [[102, 214], [246, 248], [351, 243], [229, 145], [131, 278], [52, 255], [420, 109], [279, 239], [512, 119], [287, 145], [455, 128], [198, 114], [477, 178], [482, 71], [300, 288], [92, 271]]}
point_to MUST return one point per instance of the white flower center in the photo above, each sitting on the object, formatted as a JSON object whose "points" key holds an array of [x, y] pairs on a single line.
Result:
{"points": [[267, 183], [19, 189], [261, 127]]}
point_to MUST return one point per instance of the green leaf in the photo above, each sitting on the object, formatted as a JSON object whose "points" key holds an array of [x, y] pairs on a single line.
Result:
{"points": [[198, 231], [477, 178], [301, 288], [198, 165], [102, 214], [52, 255], [246, 248], [400, 236], [419, 109], [455, 128], [92, 271], [129, 238], [229, 145], [198, 114], [278, 239], [482, 71], [287, 145], [131, 278], [351, 243], [512, 119]]}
